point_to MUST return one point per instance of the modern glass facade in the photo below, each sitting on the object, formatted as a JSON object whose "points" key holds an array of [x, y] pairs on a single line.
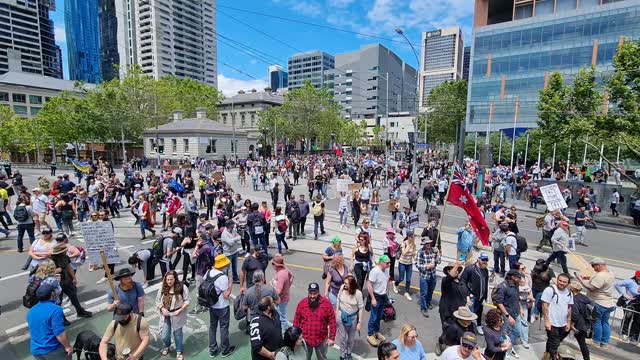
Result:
{"points": [[309, 66], [278, 78], [83, 40], [511, 59], [442, 59]]}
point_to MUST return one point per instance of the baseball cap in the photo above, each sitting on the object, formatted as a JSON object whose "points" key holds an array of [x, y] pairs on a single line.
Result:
{"points": [[122, 311], [44, 291], [335, 240], [597, 261], [515, 273], [637, 273], [469, 338], [483, 256], [313, 287], [177, 230]]}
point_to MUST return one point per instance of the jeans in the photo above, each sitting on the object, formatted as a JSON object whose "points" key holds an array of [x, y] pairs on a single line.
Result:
{"points": [[344, 215], [498, 262], [537, 306], [524, 325], [554, 339], [427, 285], [513, 259], [476, 308], [601, 328], [58, 354], [280, 239], [513, 330], [562, 257], [375, 315], [29, 228], [166, 334], [144, 225], [318, 222], [404, 273], [282, 311], [83, 215], [534, 202], [234, 266], [320, 350], [374, 215], [221, 316], [580, 230]]}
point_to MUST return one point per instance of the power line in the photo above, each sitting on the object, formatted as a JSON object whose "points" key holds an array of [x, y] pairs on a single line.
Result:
{"points": [[314, 24], [238, 70]]}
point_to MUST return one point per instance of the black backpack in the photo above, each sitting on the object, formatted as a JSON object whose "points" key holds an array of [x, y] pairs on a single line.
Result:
{"points": [[522, 244], [21, 213], [29, 298], [157, 249], [207, 293]]}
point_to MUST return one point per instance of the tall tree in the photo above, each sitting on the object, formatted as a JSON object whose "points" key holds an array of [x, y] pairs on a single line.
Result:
{"points": [[448, 109]]}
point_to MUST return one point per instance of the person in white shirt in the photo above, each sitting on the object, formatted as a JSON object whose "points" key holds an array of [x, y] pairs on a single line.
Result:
{"points": [[467, 350], [556, 307], [220, 311], [39, 203]]}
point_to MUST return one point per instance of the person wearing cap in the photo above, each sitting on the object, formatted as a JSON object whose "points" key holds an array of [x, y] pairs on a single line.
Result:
{"points": [[257, 260], [219, 313], [599, 288], [581, 317], [466, 350], [560, 244], [629, 291], [129, 292], [455, 293], [463, 321], [510, 245], [425, 262], [390, 247], [497, 240], [48, 339], [319, 212], [377, 290], [466, 240], [557, 301], [68, 280], [39, 203], [266, 334], [508, 302], [282, 281], [316, 317], [130, 332], [477, 279]]}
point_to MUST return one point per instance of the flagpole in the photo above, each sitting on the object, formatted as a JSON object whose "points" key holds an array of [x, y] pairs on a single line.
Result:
{"points": [[444, 207]]}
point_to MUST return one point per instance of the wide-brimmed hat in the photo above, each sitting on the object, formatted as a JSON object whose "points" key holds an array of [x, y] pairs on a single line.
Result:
{"points": [[597, 261], [425, 240], [221, 261], [448, 267], [463, 313], [278, 260], [59, 249], [123, 273]]}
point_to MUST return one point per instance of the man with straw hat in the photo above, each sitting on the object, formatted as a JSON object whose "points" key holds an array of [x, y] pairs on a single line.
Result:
{"points": [[453, 331], [68, 280], [219, 312]]}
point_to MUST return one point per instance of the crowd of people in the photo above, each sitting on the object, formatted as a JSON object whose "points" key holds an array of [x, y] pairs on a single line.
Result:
{"points": [[210, 226]]}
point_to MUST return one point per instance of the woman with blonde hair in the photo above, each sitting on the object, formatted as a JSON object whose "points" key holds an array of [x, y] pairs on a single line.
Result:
{"points": [[48, 274], [408, 344], [350, 313], [172, 301], [405, 265]]}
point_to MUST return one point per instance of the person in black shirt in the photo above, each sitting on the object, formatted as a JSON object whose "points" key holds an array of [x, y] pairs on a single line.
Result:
{"points": [[258, 260], [497, 343], [265, 332], [580, 318], [68, 280], [455, 328]]}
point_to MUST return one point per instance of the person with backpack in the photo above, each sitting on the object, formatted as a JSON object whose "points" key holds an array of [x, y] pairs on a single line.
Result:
{"points": [[282, 224], [293, 214], [130, 332], [129, 292], [581, 320], [68, 280], [304, 212], [23, 214], [45, 274], [257, 224], [214, 293], [67, 210], [557, 301], [510, 245], [143, 260], [48, 339]]}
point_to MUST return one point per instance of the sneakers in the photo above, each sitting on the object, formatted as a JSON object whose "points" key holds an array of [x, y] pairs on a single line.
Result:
{"points": [[430, 307], [214, 353], [145, 285], [481, 332], [395, 288], [85, 314], [371, 339], [229, 351], [380, 337], [625, 338], [525, 345], [425, 313], [589, 342], [514, 354], [604, 346], [408, 296], [103, 280]]}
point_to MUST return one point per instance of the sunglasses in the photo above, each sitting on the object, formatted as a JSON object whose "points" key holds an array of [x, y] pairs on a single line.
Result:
{"points": [[469, 347]]}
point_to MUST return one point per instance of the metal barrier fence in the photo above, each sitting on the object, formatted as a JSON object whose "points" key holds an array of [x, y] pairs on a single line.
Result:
{"points": [[628, 323]]}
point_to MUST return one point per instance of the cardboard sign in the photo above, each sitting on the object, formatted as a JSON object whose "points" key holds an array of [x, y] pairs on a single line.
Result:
{"points": [[217, 176], [553, 197], [342, 185], [354, 187], [98, 236], [176, 167]]}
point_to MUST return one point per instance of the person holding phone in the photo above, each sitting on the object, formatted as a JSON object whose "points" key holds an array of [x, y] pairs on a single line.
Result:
{"points": [[467, 350]]}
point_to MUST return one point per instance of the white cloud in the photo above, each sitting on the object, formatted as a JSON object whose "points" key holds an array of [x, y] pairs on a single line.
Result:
{"points": [[60, 34], [308, 8], [340, 3], [230, 86]]}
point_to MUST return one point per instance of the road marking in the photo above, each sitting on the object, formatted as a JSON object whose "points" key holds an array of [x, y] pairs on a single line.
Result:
{"points": [[14, 276], [8, 251]]}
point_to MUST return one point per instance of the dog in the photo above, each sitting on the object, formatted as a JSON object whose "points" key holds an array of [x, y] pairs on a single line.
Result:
{"points": [[89, 342]]}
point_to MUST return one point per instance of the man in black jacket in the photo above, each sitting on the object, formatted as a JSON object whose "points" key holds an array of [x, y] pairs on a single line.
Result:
{"points": [[477, 279], [256, 223], [293, 214], [265, 333]]}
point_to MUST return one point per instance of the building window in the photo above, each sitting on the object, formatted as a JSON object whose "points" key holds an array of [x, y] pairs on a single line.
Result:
{"points": [[152, 145], [35, 99], [242, 122], [174, 145], [161, 146], [34, 111], [19, 98], [253, 120], [4, 96], [185, 143], [20, 109], [211, 147]]}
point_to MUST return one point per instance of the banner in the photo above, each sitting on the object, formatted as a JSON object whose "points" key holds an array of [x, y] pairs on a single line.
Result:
{"points": [[98, 236], [80, 166], [553, 197], [342, 185]]}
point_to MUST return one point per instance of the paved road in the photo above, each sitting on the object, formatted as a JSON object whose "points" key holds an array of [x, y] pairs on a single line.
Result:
{"points": [[609, 244]]}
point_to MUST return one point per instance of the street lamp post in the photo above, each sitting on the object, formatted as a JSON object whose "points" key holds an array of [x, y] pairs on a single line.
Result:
{"points": [[415, 123]]}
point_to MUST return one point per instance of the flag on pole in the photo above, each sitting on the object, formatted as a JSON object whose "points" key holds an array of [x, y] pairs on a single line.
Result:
{"points": [[459, 196], [337, 150], [81, 166]]}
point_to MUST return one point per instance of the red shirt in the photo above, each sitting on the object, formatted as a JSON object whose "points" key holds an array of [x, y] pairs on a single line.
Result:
{"points": [[314, 322]]}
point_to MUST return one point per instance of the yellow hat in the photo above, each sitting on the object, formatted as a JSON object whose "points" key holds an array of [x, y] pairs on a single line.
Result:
{"points": [[221, 261]]}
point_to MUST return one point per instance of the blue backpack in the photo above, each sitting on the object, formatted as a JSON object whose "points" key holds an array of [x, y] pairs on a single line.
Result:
{"points": [[176, 186]]}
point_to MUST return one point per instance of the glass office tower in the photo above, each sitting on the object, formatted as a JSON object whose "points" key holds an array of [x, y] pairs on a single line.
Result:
{"points": [[83, 40], [511, 58]]}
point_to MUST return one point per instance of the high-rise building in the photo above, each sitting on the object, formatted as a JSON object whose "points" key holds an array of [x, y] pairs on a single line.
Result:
{"points": [[278, 78], [177, 37], [118, 41], [465, 62], [442, 59], [83, 40], [359, 84], [311, 66], [518, 43], [28, 41]]}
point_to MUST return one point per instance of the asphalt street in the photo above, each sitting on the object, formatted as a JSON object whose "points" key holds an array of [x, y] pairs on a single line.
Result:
{"points": [[618, 248]]}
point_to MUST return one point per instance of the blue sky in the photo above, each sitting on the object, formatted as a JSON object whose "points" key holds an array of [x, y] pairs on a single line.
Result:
{"points": [[373, 17]]}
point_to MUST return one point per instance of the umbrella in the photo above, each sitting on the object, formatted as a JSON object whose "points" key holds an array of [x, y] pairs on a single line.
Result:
{"points": [[369, 162]]}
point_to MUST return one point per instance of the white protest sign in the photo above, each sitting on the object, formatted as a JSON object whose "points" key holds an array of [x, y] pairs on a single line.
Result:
{"points": [[553, 197], [98, 235], [342, 185]]}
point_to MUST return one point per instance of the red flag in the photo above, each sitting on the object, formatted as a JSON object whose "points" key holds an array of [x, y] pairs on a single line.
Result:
{"points": [[337, 150], [460, 197]]}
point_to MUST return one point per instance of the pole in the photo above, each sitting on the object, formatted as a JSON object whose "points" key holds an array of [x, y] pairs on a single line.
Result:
{"points": [[475, 147], [553, 161], [566, 175], [54, 158], [618, 156], [233, 125], [539, 152], [386, 142], [513, 137], [526, 152], [601, 152], [444, 206], [124, 150], [500, 149], [107, 271]]}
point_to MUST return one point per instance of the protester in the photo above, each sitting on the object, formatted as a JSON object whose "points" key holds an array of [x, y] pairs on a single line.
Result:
{"points": [[497, 344], [143, 260], [508, 301], [257, 261], [388, 351], [171, 301], [556, 306], [48, 338], [406, 253], [453, 329], [581, 320], [219, 313], [599, 289], [497, 244], [362, 259], [40, 250], [350, 311], [282, 281], [467, 350], [455, 292], [560, 244], [476, 277], [330, 254], [318, 211], [317, 319], [629, 290], [466, 240], [542, 276], [68, 280], [294, 347], [390, 248], [231, 242], [426, 261], [377, 290], [23, 214], [129, 292], [130, 332], [282, 223], [408, 345]]}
